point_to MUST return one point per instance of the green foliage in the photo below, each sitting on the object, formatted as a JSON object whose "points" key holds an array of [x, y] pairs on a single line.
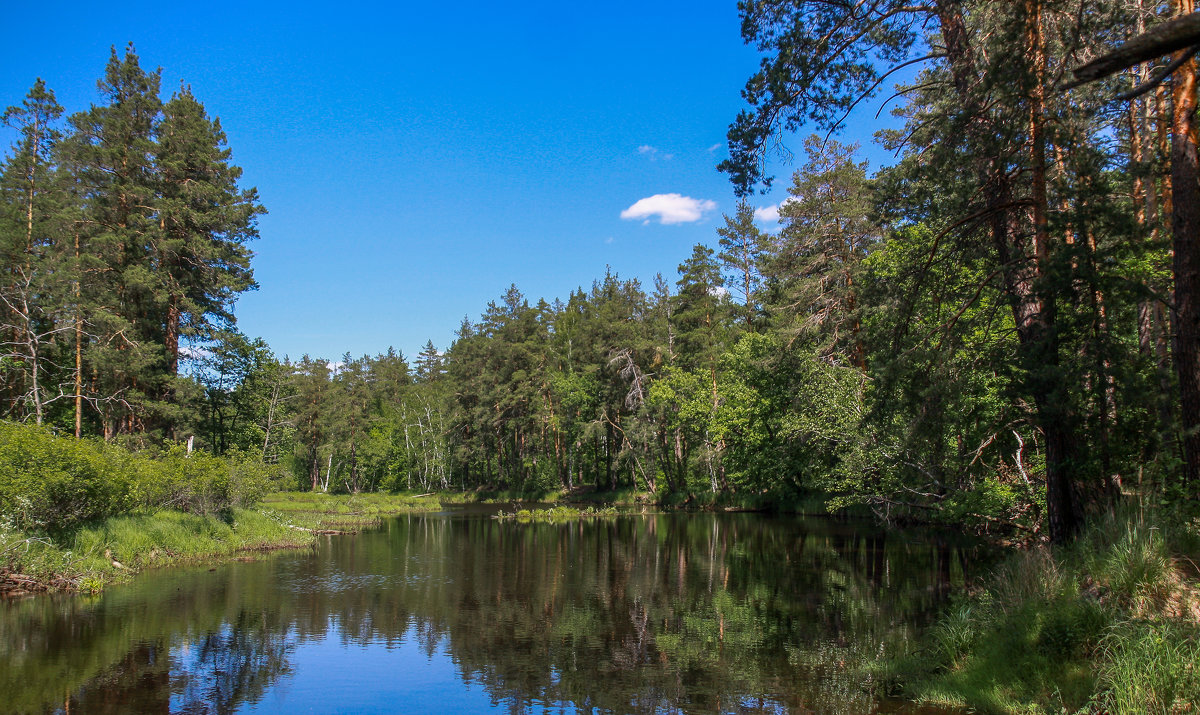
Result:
{"points": [[52, 484], [200, 483], [988, 497]]}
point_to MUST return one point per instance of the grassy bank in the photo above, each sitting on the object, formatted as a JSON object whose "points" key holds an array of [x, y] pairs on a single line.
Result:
{"points": [[557, 513], [79, 514], [346, 512], [1109, 624], [91, 557]]}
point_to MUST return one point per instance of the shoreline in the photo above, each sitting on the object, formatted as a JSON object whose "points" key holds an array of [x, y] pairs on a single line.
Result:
{"points": [[114, 550], [92, 556]]}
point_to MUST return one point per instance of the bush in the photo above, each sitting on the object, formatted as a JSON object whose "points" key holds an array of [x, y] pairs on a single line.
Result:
{"points": [[50, 483]]}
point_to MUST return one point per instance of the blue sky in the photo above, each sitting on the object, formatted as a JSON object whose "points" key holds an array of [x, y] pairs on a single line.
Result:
{"points": [[416, 159]]}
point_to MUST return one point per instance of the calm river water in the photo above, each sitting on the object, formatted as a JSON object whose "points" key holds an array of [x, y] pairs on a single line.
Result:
{"points": [[458, 612]]}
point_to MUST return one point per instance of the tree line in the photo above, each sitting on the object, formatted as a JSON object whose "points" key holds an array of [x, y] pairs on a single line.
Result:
{"points": [[990, 329]]}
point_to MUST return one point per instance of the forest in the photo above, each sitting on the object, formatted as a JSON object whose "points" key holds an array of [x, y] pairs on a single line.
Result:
{"points": [[1000, 328]]}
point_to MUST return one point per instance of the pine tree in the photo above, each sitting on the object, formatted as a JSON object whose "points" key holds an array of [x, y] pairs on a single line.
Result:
{"points": [[200, 256], [701, 306], [742, 249], [112, 156], [35, 287], [429, 363], [827, 232]]}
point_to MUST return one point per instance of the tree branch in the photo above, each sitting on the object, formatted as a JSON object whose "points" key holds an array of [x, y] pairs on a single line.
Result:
{"points": [[1163, 39]]}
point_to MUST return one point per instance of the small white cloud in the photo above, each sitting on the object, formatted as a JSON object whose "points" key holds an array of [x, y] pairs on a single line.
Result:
{"points": [[718, 291], [334, 367], [669, 208], [654, 153], [770, 214], [767, 214], [713, 148], [608, 240], [189, 352]]}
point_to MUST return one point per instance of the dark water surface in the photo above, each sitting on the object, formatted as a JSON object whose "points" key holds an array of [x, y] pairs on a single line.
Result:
{"points": [[457, 612]]}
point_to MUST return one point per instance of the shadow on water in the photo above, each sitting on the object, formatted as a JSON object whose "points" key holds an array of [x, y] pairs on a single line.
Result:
{"points": [[711, 613]]}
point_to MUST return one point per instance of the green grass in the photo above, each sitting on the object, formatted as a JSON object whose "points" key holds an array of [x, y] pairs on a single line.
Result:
{"points": [[558, 513], [1151, 668], [95, 555], [345, 512], [1108, 624]]}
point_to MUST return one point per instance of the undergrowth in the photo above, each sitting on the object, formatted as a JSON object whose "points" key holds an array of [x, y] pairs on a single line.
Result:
{"points": [[1109, 624]]}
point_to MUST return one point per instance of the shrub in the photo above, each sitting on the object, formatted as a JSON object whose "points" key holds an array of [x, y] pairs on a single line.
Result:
{"points": [[48, 483], [51, 484]]}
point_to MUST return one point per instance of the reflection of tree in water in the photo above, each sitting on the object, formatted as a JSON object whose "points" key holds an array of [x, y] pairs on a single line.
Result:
{"points": [[694, 614], [215, 673], [138, 682], [671, 613], [235, 665]]}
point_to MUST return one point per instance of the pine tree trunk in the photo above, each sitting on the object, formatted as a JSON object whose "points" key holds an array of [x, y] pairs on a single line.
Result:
{"points": [[78, 345], [1034, 316], [1185, 226], [172, 336]]}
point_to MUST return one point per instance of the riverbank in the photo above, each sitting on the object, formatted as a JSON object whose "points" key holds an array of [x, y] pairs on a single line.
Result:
{"points": [[346, 512], [557, 514], [90, 557], [1108, 624], [811, 504], [94, 556]]}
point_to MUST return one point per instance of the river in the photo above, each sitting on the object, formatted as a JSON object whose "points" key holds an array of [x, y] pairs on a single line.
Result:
{"points": [[459, 612]]}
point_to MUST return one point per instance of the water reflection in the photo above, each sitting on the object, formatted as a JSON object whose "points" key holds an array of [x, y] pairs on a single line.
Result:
{"points": [[640, 614]]}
